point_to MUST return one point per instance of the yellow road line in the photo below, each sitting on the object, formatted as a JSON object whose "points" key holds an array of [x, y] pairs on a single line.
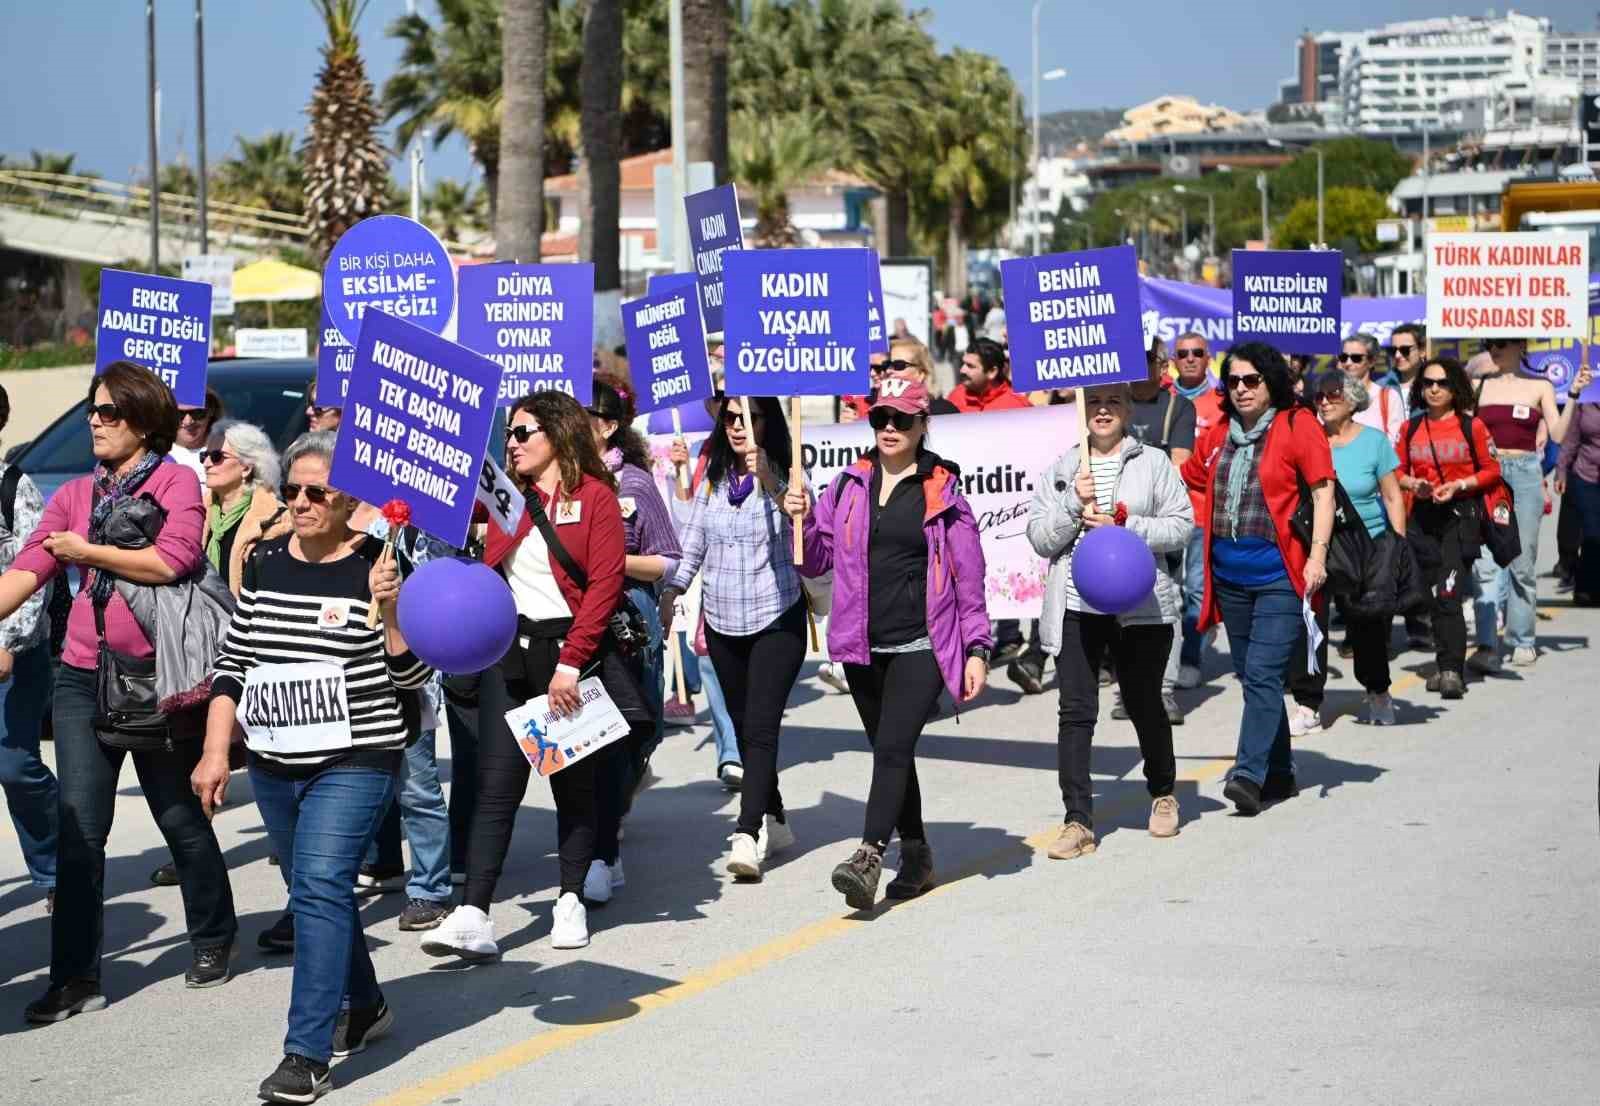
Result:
{"points": [[725, 971]]}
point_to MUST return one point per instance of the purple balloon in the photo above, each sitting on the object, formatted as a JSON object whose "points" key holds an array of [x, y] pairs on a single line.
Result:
{"points": [[457, 615], [1113, 569]]}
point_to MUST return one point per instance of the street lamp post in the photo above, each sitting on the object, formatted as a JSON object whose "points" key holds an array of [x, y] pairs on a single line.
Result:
{"points": [[155, 152], [200, 118], [1052, 75], [1266, 227]]}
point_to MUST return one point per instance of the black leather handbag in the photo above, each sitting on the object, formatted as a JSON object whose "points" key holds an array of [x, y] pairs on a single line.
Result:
{"points": [[126, 715]]}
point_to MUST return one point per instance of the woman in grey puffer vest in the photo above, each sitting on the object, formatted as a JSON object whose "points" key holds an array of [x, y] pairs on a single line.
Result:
{"points": [[1127, 484]]}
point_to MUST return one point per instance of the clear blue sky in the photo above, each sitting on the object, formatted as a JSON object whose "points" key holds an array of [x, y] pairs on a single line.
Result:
{"points": [[72, 72]]}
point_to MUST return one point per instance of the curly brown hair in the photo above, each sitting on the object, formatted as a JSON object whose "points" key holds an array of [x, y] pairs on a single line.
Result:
{"points": [[566, 426]]}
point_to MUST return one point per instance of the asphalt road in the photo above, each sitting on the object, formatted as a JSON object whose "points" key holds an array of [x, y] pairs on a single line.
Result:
{"points": [[1417, 927]]}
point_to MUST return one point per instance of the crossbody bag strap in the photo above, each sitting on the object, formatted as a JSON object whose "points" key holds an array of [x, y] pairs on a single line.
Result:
{"points": [[542, 521]]}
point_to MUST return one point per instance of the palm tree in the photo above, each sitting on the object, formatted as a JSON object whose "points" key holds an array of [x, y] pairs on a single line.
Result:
{"points": [[448, 208], [449, 82], [266, 172], [45, 161], [519, 218], [705, 93], [346, 167], [600, 240], [772, 154]]}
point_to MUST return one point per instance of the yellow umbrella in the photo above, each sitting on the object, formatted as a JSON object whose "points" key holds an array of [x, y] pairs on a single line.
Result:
{"points": [[272, 281]]}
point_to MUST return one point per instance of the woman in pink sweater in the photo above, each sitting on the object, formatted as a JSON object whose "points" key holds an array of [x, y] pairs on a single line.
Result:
{"points": [[132, 420]]}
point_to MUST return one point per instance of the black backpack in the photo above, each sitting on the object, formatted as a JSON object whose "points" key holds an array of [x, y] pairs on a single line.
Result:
{"points": [[59, 606]]}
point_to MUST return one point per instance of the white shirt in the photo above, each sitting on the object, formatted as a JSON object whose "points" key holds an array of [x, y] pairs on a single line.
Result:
{"points": [[189, 459], [1373, 416], [533, 581]]}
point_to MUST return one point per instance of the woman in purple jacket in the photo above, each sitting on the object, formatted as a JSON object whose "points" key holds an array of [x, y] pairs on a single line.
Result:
{"points": [[908, 617]]}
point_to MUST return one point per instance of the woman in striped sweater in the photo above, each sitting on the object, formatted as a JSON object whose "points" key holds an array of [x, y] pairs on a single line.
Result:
{"points": [[322, 699]]}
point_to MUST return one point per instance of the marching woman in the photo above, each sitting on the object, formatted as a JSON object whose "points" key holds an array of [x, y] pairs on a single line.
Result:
{"points": [[1249, 469], [651, 547], [909, 617], [565, 567], [754, 610], [1137, 486], [1443, 472], [241, 497], [132, 422], [323, 762]]}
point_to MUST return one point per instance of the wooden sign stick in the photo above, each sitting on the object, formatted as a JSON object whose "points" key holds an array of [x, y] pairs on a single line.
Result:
{"points": [[797, 479], [677, 434]]}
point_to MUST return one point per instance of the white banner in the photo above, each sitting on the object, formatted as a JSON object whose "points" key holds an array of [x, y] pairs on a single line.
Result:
{"points": [[552, 741], [1525, 284], [298, 708], [215, 269], [280, 342], [1001, 454]]}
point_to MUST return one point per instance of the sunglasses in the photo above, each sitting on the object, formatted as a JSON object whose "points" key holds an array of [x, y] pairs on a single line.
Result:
{"points": [[1248, 381], [192, 415], [317, 412], [1330, 397], [880, 418], [1198, 353], [108, 412], [213, 457], [730, 419], [1402, 351], [891, 367], [315, 493], [521, 434], [1437, 382], [1357, 358]]}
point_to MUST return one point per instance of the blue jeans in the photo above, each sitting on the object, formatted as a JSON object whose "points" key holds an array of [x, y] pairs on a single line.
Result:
{"points": [[321, 828], [722, 731], [1517, 584], [31, 791], [419, 809], [1264, 627], [1194, 592]]}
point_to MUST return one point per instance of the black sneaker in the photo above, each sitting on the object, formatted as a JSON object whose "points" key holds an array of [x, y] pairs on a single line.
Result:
{"points": [[81, 996], [165, 876], [375, 879], [1279, 786], [296, 1080], [356, 1029], [212, 967], [279, 936], [1244, 794], [423, 914], [916, 871], [1028, 674], [857, 878], [1006, 653]]}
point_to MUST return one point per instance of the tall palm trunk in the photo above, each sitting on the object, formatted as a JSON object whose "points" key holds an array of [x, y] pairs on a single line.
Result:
{"points": [[956, 249], [600, 174], [705, 94], [519, 218], [899, 204]]}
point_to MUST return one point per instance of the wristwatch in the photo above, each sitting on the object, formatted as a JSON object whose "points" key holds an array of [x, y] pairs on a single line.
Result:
{"points": [[978, 651]]}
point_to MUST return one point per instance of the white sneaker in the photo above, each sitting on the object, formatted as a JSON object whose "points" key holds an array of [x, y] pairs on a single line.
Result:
{"points": [[775, 836], [732, 776], [569, 927], [1523, 656], [744, 861], [597, 883], [618, 879], [1304, 720], [1380, 710], [467, 932], [1188, 676], [833, 675]]}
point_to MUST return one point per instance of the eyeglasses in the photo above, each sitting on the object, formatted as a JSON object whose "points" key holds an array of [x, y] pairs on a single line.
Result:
{"points": [[731, 419], [318, 412], [1197, 353], [213, 457], [891, 367], [1402, 351], [192, 414], [880, 418], [1248, 381], [1437, 382], [1357, 358], [315, 493], [1330, 397], [108, 412], [521, 434]]}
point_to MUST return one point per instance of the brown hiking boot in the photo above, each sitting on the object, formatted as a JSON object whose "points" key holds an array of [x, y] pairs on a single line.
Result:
{"points": [[1075, 840], [1164, 817]]}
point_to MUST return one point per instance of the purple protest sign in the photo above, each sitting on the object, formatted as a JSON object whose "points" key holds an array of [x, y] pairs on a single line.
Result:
{"points": [[1288, 298], [666, 350], [713, 228], [536, 322], [159, 322], [334, 358], [796, 322], [391, 264], [1073, 319], [877, 333], [659, 284], [416, 424]]}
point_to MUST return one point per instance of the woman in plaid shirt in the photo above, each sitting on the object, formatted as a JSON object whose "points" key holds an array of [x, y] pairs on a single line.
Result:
{"points": [[754, 609]]}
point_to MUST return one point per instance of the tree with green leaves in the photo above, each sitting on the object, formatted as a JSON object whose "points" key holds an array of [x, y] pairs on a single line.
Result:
{"points": [[346, 167], [265, 172], [1351, 217], [449, 208], [771, 155], [46, 161]]}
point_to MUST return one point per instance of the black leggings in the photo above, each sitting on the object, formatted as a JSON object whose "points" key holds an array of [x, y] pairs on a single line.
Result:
{"points": [[1446, 563], [894, 695], [503, 779], [757, 671], [1141, 655], [1369, 638]]}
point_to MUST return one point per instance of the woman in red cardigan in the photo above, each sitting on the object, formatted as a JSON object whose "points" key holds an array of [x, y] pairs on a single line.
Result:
{"points": [[561, 631], [1248, 470]]}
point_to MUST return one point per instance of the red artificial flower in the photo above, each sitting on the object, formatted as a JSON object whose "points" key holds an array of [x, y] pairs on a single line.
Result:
{"points": [[397, 513]]}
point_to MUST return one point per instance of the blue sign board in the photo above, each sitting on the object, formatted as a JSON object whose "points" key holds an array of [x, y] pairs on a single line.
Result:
{"points": [[416, 424], [796, 322], [162, 323], [391, 264], [1073, 319], [536, 322], [713, 228], [334, 358], [877, 333], [659, 284], [666, 350], [1290, 299]]}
